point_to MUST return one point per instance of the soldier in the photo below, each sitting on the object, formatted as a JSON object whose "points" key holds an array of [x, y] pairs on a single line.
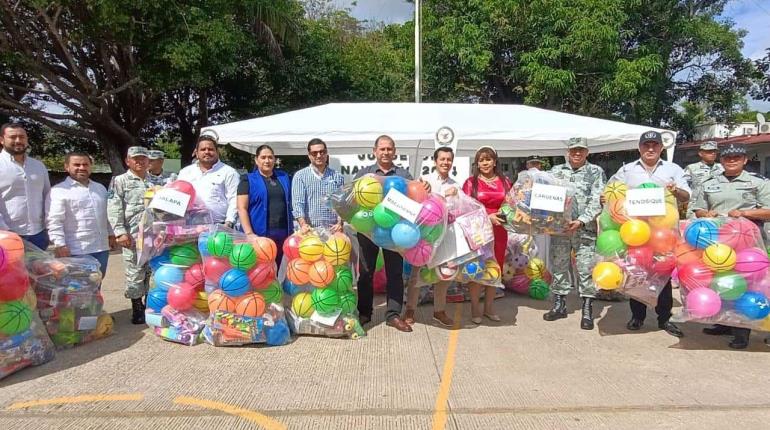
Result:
{"points": [[697, 173], [734, 192], [155, 173], [589, 182], [125, 207]]}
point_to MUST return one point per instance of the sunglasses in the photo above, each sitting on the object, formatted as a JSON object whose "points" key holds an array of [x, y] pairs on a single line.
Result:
{"points": [[317, 153]]}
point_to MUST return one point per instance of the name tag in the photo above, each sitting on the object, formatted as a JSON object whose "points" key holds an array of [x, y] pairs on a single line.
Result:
{"points": [[171, 201], [646, 202], [402, 205], [713, 189], [548, 197]]}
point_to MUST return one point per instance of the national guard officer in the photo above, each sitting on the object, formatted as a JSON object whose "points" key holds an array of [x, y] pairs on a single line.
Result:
{"points": [[697, 173], [734, 193], [155, 172], [125, 207], [588, 180]]}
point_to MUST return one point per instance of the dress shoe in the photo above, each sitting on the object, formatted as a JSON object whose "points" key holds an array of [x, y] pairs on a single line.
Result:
{"points": [[364, 319], [399, 324], [671, 329], [443, 319], [717, 330], [634, 324], [409, 316]]}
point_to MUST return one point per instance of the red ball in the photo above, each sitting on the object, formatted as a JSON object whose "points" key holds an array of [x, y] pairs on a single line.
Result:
{"points": [[181, 296], [695, 275], [739, 234], [663, 264], [262, 275], [14, 282], [641, 256], [195, 277], [291, 246], [663, 241], [214, 268], [184, 187]]}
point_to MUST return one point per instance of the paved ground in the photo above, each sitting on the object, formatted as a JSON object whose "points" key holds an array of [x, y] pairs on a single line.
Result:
{"points": [[520, 373]]}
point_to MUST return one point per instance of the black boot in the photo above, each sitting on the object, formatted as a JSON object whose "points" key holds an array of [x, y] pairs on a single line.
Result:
{"points": [[137, 311], [559, 309], [587, 320]]}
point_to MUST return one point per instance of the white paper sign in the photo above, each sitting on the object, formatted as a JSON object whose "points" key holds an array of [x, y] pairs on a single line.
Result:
{"points": [[548, 197], [646, 202], [402, 205], [327, 320], [87, 323], [171, 201]]}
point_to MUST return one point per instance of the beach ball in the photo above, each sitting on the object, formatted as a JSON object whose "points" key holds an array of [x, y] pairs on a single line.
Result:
{"points": [[607, 275], [719, 257], [635, 232], [702, 303], [753, 305], [405, 234], [701, 233], [367, 192], [729, 285]]}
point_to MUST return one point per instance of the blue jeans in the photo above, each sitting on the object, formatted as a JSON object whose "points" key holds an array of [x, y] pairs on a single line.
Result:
{"points": [[40, 239], [102, 258]]}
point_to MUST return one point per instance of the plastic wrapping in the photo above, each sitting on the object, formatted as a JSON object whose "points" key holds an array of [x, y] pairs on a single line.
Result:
{"points": [[396, 214], [524, 273], [549, 212], [23, 338], [318, 276], [722, 271], [183, 327]]}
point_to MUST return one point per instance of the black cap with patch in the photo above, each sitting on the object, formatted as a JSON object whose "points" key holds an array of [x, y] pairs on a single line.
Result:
{"points": [[651, 136], [733, 149]]}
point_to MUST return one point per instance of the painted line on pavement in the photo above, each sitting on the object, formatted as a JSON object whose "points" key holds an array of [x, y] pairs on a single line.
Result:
{"points": [[86, 398], [442, 398], [255, 417]]}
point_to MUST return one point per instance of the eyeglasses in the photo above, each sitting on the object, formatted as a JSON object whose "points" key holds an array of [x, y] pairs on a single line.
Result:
{"points": [[318, 153]]}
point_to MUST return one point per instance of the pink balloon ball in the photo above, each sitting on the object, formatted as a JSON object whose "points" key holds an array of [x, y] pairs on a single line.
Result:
{"points": [[703, 302], [751, 260], [739, 234], [3, 259], [432, 211], [419, 255], [181, 296], [640, 256], [761, 285], [520, 284], [675, 275]]}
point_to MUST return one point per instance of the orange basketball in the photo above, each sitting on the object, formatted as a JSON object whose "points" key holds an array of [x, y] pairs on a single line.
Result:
{"points": [[251, 305], [266, 249], [415, 190], [321, 273], [219, 301], [617, 209], [12, 245], [298, 271], [686, 254], [262, 275]]}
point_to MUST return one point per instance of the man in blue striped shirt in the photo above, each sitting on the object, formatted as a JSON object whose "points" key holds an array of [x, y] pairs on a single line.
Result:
{"points": [[311, 186]]}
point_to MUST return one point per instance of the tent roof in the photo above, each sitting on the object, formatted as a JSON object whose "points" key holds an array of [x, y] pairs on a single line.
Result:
{"points": [[513, 130]]}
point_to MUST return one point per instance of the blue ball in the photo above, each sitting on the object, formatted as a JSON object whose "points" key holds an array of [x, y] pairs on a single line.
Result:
{"points": [[753, 305], [278, 334], [289, 288], [235, 283], [381, 237], [472, 270], [203, 241], [168, 275], [393, 182], [157, 298], [701, 233], [405, 234], [159, 260]]}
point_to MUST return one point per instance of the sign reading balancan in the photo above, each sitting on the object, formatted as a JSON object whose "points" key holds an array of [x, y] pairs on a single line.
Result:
{"points": [[550, 198], [646, 202]]}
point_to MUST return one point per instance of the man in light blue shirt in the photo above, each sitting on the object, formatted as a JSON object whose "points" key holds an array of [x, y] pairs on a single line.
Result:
{"points": [[310, 188]]}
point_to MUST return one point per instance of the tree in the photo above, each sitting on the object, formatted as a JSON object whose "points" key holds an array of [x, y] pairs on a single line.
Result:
{"points": [[762, 91]]}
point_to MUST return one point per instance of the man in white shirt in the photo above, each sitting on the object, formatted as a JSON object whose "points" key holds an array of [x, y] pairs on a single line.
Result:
{"points": [[77, 214], [24, 187], [215, 182]]}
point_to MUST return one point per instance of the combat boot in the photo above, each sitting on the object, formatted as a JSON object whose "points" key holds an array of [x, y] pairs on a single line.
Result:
{"points": [[587, 320], [137, 311], [559, 309]]}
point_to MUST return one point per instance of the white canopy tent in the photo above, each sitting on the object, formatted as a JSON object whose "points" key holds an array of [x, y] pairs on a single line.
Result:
{"points": [[513, 130]]}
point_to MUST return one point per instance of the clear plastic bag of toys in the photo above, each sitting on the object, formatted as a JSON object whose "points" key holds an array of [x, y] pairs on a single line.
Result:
{"points": [[244, 298], [637, 240], [723, 273], [538, 203], [23, 338], [523, 272], [394, 213], [318, 277], [468, 231], [185, 327], [69, 298]]}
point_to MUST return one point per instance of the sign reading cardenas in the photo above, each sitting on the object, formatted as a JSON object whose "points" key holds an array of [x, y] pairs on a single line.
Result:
{"points": [[348, 165]]}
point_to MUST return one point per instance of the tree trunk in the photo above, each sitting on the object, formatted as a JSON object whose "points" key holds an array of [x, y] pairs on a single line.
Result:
{"points": [[115, 149]]}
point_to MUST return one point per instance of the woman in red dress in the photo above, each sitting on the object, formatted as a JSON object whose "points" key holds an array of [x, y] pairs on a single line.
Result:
{"points": [[489, 187]]}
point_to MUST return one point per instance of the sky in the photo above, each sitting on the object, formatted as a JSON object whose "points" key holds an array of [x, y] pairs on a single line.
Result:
{"points": [[750, 15]]}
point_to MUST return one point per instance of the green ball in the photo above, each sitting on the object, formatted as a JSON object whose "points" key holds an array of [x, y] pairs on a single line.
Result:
{"points": [[385, 217], [220, 244], [729, 285], [15, 317], [325, 300], [606, 223], [649, 185], [363, 221], [429, 276], [431, 233], [380, 262], [243, 256], [273, 293], [348, 302], [539, 289], [609, 244], [343, 280], [184, 255]]}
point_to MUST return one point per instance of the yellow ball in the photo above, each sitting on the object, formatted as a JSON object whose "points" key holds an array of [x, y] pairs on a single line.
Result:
{"points": [[719, 257], [311, 248], [535, 268], [615, 191], [104, 325], [337, 250], [302, 305], [367, 192], [491, 272], [608, 276], [669, 220], [201, 302], [635, 232]]}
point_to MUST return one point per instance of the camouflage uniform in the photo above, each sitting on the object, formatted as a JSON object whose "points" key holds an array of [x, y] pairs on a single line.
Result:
{"points": [[125, 208], [697, 174], [589, 181], [162, 179]]}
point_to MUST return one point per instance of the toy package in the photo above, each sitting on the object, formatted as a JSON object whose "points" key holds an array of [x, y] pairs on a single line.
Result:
{"points": [[539, 203], [523, 273]]}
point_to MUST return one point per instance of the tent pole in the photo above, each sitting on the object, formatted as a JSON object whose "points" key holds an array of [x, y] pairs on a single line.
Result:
{"points": [[416, 164], [417, 51]]}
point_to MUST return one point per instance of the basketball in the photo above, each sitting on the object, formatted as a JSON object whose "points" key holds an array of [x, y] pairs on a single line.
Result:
{"points": [[219, 301], [243, 256], [635, 232], [311, 248], [302, 305], [415, 190], [607, 275], [615, 190], [740, 234], [325, 300], [201, 302], [184, 255], [751, 260], [348, 302], [367, 191], [157, 298], [539, 289], [385, 217], [719, 257], [617, 210], [298, 271], [432, 212], [12, 245], [194, 276], [670, 220], [321, 273], [214, 268], [15, 317], [251, 305], [420, 254], [273, 293], [181, 296], [343, 280], [431, 233], [686, 254], [220, 244], [492, 271], [363, 221], [234, 283], [291, 246], [265, 249], [337, 250], [701, 233], [261, 275], [535, 268]]}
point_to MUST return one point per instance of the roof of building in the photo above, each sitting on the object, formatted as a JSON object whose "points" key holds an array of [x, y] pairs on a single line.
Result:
{"points": [[753, 139]]}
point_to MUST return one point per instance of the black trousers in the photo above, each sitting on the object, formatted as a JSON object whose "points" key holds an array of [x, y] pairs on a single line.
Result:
{"points": [[394, 267], [663, 308]]}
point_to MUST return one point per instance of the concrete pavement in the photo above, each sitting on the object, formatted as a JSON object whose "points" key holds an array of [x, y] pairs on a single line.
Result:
{"points": [[520, 373]]}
